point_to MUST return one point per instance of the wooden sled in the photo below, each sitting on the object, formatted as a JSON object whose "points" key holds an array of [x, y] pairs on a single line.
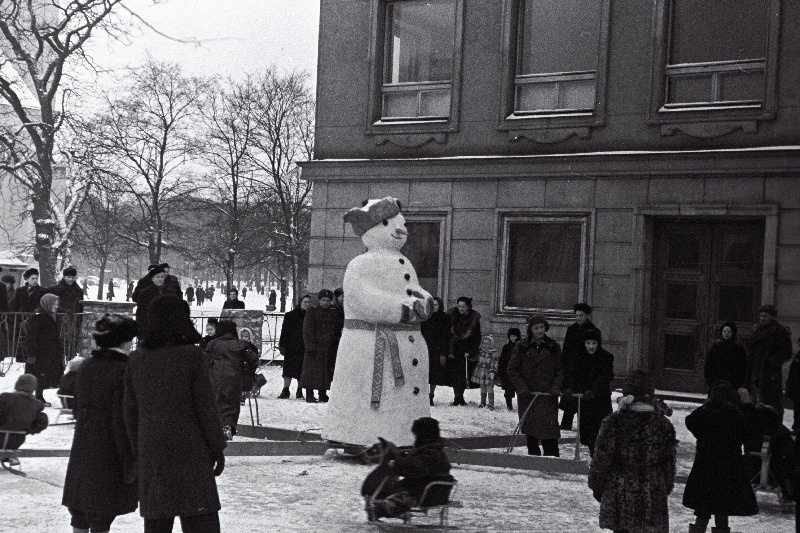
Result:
{"points": [[9, 459]]}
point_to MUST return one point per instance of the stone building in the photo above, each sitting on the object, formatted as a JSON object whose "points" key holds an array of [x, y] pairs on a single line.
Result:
{"points": [[639, 156]]}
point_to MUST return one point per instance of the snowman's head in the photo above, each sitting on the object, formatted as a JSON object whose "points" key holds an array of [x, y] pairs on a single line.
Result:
{"points": [[379, 223]]}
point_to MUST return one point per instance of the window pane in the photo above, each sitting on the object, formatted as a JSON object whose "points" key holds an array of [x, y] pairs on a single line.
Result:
{"points": [[537, 96], [559, 36], [740, 251], [684, 252], [434, 104], [679, 351], [718, 30], [422, 249], [683, 89], [736, 303], [743, 86], [577, 94], [400, 104], [420, 42], [681, 301], [544, 262]]}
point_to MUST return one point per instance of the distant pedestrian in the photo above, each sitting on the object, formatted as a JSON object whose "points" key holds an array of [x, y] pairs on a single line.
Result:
{"points": [[719, 484], [465, 341], [190, 294], [535, 367], [200, 294], [26, 298], [229, 357], [727, 359], [210, 293], [321, 326], [632, 472], [8, 281], [233, 301], [21, 411], [273, 298], [101, 474], [486, 371], [110, 292], [769, 347], [244, 292], [42, 347], [129, 292], [436, 332], [173, 423], [502, 367], [573, 349], [292, 348]]}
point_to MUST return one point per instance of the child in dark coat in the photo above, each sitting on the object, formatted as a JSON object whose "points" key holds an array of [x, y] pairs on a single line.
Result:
{"points": [[502, 366], [422, 464], [21, 411]]}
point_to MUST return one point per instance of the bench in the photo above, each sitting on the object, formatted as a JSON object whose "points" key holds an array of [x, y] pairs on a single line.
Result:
{"points": [[9, 459], [765, 480], [65, 409]]}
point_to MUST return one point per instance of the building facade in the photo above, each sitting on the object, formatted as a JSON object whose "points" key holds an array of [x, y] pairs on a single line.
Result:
{"points": [[641, 157]]}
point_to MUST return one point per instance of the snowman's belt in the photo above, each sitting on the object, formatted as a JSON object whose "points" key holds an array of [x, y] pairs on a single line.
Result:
{"points": [[385, 339]]}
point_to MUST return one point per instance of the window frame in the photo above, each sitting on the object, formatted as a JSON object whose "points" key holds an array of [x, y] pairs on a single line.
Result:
{"points": [[662, 112], [443, 218], [376, 124], [516, 123], [508, 217]]}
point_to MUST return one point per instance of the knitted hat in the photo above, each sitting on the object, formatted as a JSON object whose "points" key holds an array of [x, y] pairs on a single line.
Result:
{"points": [[426, 429], [586, 308], [70, 271], [30, 272], [113, 330], [325, 293], [514, 331], [538, 319], [371, 214], [26, 383]]}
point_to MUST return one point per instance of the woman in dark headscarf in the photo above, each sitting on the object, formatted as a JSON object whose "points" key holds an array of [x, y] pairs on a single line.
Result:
{"points": [[42, 346], [101, 474], [436, 332], [727, 359], [464, 344], [173, 423]]}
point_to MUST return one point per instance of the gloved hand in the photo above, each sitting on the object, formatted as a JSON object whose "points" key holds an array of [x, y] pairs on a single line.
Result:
{"points": [[219, 465], [588, 395]]}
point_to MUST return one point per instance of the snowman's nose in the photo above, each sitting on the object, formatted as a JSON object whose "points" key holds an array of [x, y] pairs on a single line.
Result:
{"points": [[401, 231]]}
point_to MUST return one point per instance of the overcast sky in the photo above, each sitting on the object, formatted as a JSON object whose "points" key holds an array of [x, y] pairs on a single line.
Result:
{"points": [[240, 36]]}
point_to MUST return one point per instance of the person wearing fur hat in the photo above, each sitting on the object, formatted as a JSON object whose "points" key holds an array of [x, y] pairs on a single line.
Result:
{"points": [[536, 370], [26, 298], [769, 348], [423, 463], [634, 455], [719, 484], [101, 476], [573, 349], [592, 374], [20, 411], [173, 423], [322, 327], [42, 347], [727, 359], [70, 295], [502, 367]]}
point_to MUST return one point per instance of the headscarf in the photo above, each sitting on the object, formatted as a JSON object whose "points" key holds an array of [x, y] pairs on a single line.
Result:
{"points": [[46, 304], [491, 341]]}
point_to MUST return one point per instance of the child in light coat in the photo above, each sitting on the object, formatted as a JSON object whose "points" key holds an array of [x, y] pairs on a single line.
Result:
{"points": [[486, 370]]}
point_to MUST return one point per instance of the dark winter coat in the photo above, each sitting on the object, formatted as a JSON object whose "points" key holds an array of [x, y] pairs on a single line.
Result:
{"points": [[201, 294], [229, 361], [770, 346], [321, 331], [436, 332], [143, 300], [190, 293], [69, 296], [419, 466], [574, 345], [141, 285], [537, 367], [26, 299], [43, 349], [633, 471], [67, 386], [110, 289], [291, 343], [101, 473], [233, 304], [272, 298], [727, 361], [172, 286], [502, 368], [594, 374], [466, 338], [718, 482], [19, 411], [4, 300], [793, 381], [175, 430]]}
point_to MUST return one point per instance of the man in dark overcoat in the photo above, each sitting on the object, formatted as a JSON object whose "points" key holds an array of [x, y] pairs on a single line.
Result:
{"points": [[173, 423], [26, 298], [536, 367], [292, 347], [322, 328], [70, 296], [573, 348], [769, 347]]}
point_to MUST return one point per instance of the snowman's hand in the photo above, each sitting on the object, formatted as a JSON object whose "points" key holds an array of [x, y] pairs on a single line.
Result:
{"points": [[423, 308]]}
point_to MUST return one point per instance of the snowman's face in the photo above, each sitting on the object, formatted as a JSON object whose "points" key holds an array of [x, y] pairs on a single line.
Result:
{"points": [[391, 233]]}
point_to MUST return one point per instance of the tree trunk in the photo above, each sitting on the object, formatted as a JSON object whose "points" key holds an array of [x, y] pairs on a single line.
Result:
{"points": [[101, 278]]}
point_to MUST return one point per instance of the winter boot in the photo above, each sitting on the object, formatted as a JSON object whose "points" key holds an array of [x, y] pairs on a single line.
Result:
{"points": [[720, 530], [694, 528], [509, 405], [299, 394], [284, 395], [310, 396], [323, 396]]}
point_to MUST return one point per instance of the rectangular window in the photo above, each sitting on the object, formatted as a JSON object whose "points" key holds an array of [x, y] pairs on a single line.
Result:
{"points": [[544, 262], [423, 248], [418, 59], [557, 57], [718, 54]]}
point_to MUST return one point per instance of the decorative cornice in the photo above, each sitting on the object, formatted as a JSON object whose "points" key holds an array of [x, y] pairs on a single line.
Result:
{"points": [[411, 140], [709, 130], [549, 135]]}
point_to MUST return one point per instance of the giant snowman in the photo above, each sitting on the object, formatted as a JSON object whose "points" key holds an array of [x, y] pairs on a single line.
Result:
{"points": [[381, 382]]}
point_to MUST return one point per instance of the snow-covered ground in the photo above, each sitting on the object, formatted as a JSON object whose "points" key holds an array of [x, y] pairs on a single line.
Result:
{"points": [[321, 493]]}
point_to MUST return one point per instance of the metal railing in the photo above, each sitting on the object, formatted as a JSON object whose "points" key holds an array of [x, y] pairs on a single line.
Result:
{"points": [[12, 330]]}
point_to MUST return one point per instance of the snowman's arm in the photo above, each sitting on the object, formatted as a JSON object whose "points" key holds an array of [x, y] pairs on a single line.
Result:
{"points": [[384, 306]]}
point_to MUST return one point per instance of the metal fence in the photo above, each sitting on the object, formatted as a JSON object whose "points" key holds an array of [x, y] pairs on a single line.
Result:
{"points": [[12, 328]]}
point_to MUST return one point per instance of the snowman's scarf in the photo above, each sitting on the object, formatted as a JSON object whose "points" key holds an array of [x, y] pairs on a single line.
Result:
{"points": [[385, 339]]}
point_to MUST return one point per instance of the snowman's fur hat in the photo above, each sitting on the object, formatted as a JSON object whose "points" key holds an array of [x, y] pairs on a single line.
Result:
{"points": [[372, 213]]}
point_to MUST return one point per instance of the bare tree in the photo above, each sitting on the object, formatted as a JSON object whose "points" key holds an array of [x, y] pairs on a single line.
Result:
{"points": [[284, 135], [146, 134], [41, 39]]}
